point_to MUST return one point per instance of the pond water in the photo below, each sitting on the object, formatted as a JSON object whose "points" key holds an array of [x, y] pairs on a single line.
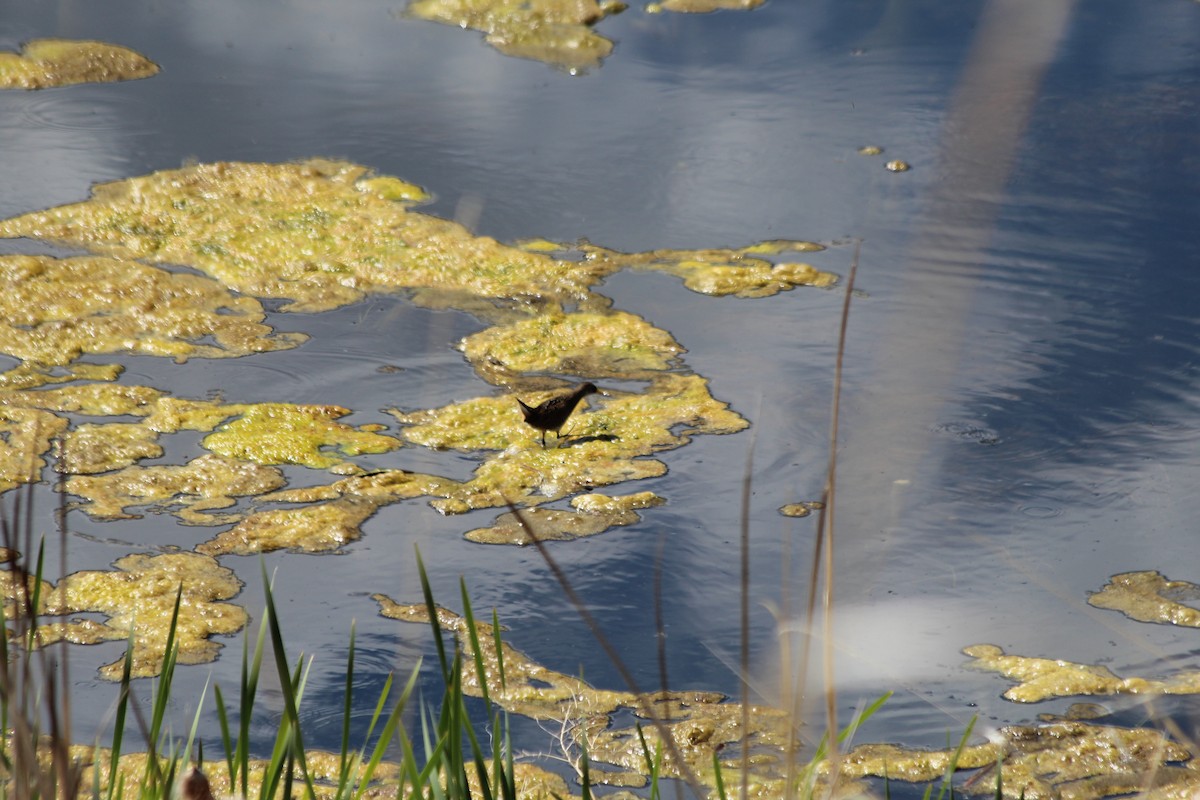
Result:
{"points": [[1020, 413]]}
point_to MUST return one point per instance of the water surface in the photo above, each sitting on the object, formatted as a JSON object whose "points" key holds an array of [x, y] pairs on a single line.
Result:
{"points": [[1020, 413]]}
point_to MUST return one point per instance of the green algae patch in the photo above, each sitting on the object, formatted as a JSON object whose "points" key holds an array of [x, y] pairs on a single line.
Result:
{"points": [[43, 63], [705, 6], [741, 272], [140, 594], [89, 399], [915, 766], [283, 433], [556, 32], [320, 233], [599, 448], [607, 504], [316, 528], [383, 487], [613, 344], [1150, 597], [54, 310], [801, 509], [1065, 759], [264, 433], [596, 513], [482, 423], [1044, 678], [193, 490], [33, 376], [333, 518], [26, 436], [89, 448]]}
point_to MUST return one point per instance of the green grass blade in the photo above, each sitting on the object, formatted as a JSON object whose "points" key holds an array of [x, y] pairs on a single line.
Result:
{"points": [[863, 716], [439, 644], [585, 777], [122, 708], [499, 649], [718, 780], [289, 690], [952, 767], [226, 741], [248, 695], [162, 699], [389, 730], [473, 635], [187, 750], [347, 708], [36, 600]]}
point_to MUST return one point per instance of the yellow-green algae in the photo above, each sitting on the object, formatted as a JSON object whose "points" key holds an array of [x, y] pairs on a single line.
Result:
{"points": [[326, 233], [1146, 596], [257, 436], [1067, 760], [285, 433], [740, 272], [1149, 597], [705, 6], [140, 594], [91, 399], [321, 233], [202, 485], [611, 344], [383, 487], [316, 528], [604, 447], [334, 518], [32, 376], [53, 310], [595, 513], [1045, 678], [26, 435], [43, 63], [608, 504], [90, 448], [801, 509], [267, 433], [556, 32]]}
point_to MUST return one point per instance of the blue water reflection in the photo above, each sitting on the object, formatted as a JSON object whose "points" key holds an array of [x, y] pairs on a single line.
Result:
{"points": [[1021, 392]]}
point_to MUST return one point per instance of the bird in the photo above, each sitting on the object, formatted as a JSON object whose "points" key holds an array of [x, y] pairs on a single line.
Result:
{"points": [[552, 414]]}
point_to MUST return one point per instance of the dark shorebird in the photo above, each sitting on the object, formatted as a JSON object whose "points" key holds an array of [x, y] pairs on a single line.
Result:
{"points": [[552, 414]]}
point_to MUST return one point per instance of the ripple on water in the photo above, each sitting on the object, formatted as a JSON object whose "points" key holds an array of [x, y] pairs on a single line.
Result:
{"points": [[96, 110], [375, 658]]}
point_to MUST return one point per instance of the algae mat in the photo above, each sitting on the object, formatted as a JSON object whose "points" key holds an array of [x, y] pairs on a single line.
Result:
{"points": [[43, 63], [318, 235]]}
